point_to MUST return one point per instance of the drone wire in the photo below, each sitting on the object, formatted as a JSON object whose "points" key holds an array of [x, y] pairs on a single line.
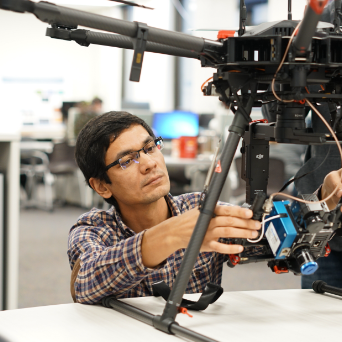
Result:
{"points": [[319, 115], [281, 64], [293, 179], [340, 150], [202, 86], [328, 126], [210, 78], [262, 230], [315, 110], [263, 226]]}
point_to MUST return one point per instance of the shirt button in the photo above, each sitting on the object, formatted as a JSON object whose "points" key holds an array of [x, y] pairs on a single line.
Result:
{"points": [[197, 274], [137, 269]]}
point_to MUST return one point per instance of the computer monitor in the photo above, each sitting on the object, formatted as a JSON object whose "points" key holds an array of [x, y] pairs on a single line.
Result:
{"points": [[175, 124], [204, 120]]}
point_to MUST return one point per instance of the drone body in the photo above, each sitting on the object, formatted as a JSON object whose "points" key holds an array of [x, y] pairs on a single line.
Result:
{"points": [[271, 63]]}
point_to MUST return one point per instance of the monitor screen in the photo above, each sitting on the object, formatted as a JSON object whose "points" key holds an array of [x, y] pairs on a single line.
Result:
{"points": [[172, 125]]}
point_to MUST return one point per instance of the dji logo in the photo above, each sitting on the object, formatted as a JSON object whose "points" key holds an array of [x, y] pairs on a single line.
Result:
{"points": [[260, 156]]}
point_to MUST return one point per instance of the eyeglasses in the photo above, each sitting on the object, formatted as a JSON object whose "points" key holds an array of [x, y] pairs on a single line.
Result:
{"points": [[132, 157]]}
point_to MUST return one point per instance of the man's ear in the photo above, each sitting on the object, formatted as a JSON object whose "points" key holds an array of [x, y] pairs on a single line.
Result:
{"points": [[100, 187]]}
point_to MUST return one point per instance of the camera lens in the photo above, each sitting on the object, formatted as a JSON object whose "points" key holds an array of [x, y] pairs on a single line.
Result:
{"points": [[306, 262]]}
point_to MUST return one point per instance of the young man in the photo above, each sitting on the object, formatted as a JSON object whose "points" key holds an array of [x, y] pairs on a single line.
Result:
{"points": [[141, 239]]}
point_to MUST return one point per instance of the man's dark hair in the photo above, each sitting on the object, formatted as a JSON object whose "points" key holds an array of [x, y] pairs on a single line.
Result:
{"points": [[94, 139]]}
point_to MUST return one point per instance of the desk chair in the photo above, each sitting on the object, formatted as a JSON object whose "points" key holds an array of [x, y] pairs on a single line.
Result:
{"points": [[63, 165], [34, 166]]}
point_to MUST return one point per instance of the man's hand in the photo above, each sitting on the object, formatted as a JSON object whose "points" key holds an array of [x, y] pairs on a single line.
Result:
{"points": [[230, 222], [332, 180]]}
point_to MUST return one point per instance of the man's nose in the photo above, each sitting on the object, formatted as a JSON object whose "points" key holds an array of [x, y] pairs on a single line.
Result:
{"points": [[146, 161]]}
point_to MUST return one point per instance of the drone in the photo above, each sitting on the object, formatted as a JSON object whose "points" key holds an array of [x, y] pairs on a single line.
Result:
{"points": [[269, 64]]}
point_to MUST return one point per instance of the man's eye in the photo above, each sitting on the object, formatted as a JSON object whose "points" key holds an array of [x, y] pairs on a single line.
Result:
{"points": [[126, 162], [150, 148]]}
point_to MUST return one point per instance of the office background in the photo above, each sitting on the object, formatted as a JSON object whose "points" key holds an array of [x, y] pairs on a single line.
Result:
{"points": [[38, 74]]}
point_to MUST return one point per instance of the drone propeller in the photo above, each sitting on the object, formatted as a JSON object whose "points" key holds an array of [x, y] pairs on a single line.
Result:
{"points": [[130, 3]]}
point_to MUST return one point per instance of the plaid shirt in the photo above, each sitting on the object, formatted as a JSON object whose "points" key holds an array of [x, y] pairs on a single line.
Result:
{"points": [[111, 263]]}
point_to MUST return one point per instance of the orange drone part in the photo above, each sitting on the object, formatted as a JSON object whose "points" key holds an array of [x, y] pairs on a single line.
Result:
{"points": [[279, 270], [318, 5], [223, 34], [327, 250], [234, 259], [184, 311], [259, 120]]}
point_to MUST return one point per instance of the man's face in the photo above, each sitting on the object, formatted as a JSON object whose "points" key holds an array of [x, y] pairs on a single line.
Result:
{"points": [[140, 183]]}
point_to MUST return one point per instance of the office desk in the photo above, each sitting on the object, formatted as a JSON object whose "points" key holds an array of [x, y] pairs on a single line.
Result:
{"points": [[265, 316], [188, 169], [44, 146], [196, 170], [200, 162]]}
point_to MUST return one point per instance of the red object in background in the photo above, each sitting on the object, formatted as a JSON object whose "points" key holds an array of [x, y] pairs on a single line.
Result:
{"points": [[188, 147]]}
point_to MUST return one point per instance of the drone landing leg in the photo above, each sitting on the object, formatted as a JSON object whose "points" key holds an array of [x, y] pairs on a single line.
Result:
{"points": [[236, 131]]}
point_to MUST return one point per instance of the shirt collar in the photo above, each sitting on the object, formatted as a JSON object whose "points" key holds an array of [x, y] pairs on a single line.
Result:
{"points": [[170, 200]]}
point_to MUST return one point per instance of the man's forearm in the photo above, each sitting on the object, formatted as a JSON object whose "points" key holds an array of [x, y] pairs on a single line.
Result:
{"points": [[159, 242]]}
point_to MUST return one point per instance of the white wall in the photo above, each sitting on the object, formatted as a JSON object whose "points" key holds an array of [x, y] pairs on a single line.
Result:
{"points": [[214, 15], [81, 72], [26, 53], [157, 79], [84, 72], [277, 9]]}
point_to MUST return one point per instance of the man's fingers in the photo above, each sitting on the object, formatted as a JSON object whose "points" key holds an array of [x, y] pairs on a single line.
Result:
{"points": [[232, 232], [224, 248], [231, 221], [224, 210], [332, 180]]}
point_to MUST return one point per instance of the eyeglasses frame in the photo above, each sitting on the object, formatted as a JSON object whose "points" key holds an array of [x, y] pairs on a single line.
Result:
{"points": [[116, 162]]}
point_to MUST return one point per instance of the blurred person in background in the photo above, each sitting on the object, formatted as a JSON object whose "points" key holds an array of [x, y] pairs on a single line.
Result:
{"points": [[86, 112]]}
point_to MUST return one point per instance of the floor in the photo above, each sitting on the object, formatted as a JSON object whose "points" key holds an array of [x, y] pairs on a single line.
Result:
{"points": [[44, 272]]}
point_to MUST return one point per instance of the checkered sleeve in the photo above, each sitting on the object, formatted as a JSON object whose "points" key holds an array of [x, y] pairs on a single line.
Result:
{"points": [[106, 268]]}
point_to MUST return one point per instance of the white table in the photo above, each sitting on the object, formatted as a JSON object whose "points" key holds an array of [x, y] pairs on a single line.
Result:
{"points": [[265, 316], [39, 131]]}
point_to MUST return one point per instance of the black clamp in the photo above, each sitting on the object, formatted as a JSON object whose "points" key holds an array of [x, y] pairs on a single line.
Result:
{"points": [[139, 44], [80, 37], [65, 32]]}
